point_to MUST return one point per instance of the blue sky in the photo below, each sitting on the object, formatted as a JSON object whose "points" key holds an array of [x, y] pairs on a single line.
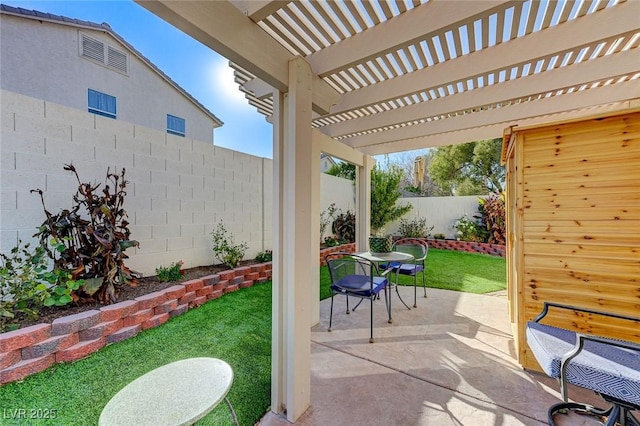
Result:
{"points": [[199, 70]]}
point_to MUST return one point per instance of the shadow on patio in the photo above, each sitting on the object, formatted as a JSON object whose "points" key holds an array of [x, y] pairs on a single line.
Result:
{"points": [[451, 361]]}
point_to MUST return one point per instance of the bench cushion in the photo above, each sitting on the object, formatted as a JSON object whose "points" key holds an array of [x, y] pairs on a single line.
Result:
{"points": [[602, 368]]}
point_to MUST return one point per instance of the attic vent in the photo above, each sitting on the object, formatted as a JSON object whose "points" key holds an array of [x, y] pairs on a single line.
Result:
{"points": [[92, 49], [103, 54], [117, 59]]}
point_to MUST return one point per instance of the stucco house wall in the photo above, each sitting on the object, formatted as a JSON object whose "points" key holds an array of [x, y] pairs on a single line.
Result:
{"points": [[41, 59]]}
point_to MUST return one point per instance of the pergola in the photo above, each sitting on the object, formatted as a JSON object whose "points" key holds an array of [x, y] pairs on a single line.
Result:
{"points": [[355, 78]]}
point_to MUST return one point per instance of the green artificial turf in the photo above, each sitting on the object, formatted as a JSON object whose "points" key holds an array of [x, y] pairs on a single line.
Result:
{"points": [[235, 328], [450, 270]]}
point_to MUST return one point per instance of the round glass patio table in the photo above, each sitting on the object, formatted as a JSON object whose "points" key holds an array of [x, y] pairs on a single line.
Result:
{"points": [[179, 393]]}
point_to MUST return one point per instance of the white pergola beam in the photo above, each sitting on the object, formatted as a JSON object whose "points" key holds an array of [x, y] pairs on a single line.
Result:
{"points": [[613, 21], [571, 76], [223, 28], [403, 29], [485, 132], [511, 114], [337, 149], [258, 10]]}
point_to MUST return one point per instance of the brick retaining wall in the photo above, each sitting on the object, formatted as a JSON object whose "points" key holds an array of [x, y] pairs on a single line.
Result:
{"points": [[33, 349], [468, 246]]}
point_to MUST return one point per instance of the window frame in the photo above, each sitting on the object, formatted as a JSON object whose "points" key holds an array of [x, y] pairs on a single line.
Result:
{"points": [[105, 99], [172, 129]]}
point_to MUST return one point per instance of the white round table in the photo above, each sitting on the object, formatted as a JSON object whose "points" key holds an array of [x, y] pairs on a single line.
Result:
{"points": [[179, 393]]}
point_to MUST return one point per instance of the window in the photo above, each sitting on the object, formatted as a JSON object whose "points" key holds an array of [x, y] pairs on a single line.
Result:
{"points": [[102, 104], [175, 125]]}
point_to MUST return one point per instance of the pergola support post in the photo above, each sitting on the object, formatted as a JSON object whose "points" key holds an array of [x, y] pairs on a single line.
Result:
{"points": [[296, 243], [363, 203]]}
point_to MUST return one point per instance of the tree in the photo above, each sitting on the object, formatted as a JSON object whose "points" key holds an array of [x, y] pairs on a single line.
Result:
{"points": [[385, 191], [469, 169], [343, 170]]}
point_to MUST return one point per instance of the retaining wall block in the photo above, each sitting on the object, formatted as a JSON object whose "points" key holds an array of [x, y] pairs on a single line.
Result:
{"points": [[112, 327], [231, 288], [198, 301], [124, 333], [175, 292], [80, 350], [181, 309], [24, 337], [241, 272], [258, 268], [118, 310], [246, 284], [155, 321], [151, 300], [137, 318], [211, 279], [227, 275], [187, 298], [204, 291], [50, 346], [214, 295], [9, 358], [166, 307], [221, 285], [193, 285], [26, 368], [92, 333]]}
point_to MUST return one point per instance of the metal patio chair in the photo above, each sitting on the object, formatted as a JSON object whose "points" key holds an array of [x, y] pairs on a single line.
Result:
{"points": [[609, 367], [355, 276], [419, 250]]}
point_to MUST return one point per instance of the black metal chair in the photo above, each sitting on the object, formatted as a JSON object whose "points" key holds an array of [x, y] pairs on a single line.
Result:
{"points": [[609, 367], [419, 249], [358, 277]]}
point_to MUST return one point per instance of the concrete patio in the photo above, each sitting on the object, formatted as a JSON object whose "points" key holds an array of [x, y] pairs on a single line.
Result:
{"points": [[451, 361]]}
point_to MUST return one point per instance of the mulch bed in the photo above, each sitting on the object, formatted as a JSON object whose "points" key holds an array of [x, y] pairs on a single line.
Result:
{"points": [[145, 285]]}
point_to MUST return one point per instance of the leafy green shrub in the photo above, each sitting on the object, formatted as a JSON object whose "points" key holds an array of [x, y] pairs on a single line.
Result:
{"points": [[469, 230], [264, 256], [440, 236], [331, 241], [225, 249], [326, 217], [170, 273], [385, 191], [415, 228], [344, 227], [28, 284], [91, 248]]}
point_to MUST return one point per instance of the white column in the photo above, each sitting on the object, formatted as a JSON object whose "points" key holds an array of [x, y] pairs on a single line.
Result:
{"points": [[314, 226], [277, 293], [296, 243], [363, 203]]}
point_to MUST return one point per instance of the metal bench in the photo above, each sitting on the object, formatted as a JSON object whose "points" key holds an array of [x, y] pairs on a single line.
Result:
{"points": [[607, 366]]}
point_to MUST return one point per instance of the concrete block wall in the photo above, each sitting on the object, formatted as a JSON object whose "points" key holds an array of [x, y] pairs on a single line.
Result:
{"points": [[441, 212], [178, 190]]}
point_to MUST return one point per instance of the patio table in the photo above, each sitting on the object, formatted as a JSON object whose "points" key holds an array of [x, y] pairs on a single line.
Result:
{"points": [[179, 393], [394, 256]]}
